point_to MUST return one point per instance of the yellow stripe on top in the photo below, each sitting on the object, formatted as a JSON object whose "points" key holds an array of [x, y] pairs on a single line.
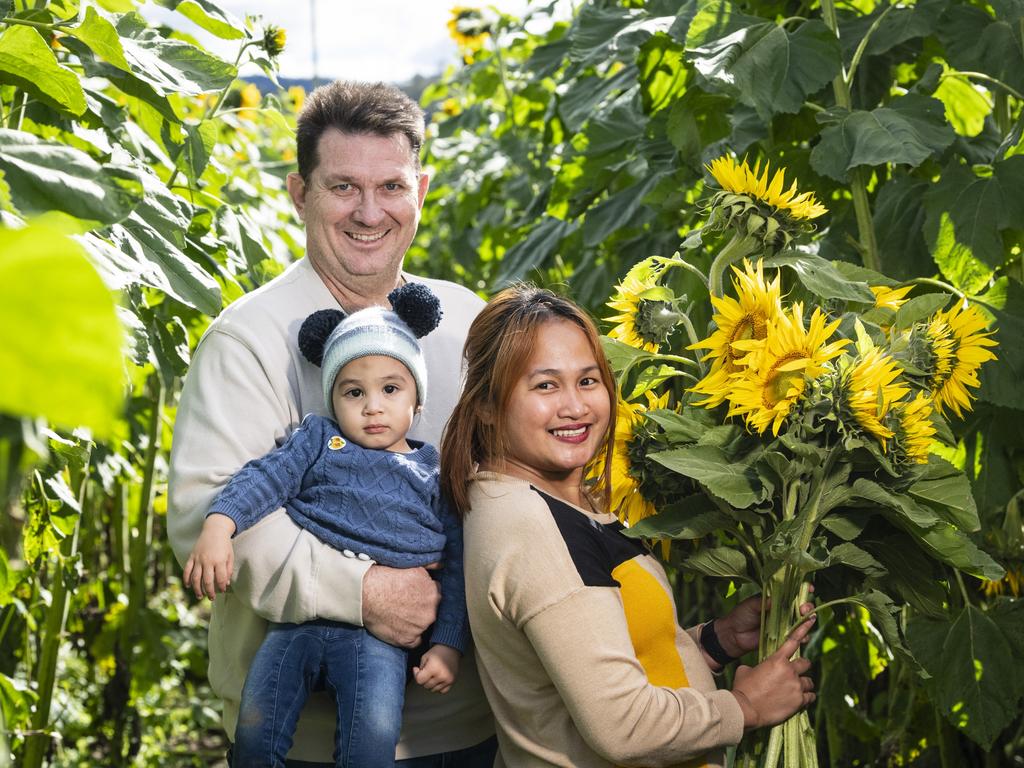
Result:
{"points": [[651, 618]]}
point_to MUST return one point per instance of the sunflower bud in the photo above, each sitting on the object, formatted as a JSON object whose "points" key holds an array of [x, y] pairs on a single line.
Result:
{"points": [[274, 39], [655, 320]]}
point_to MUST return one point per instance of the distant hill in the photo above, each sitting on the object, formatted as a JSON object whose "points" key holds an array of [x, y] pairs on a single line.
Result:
{"points": [[413, 88]]}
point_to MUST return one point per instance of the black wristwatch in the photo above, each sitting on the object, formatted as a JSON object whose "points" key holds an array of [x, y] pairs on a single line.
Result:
{"points": [[710, 643]]}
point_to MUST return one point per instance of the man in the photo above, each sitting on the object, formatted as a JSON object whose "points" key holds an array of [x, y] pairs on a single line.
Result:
{"points": [[359, 190]]}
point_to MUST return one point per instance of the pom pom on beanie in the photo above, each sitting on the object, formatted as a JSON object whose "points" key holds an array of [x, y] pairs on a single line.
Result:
{"points": [[315, 331]]}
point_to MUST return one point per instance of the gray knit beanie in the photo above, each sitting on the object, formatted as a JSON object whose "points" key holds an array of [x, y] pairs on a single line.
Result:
{"points": [[331, 340]]}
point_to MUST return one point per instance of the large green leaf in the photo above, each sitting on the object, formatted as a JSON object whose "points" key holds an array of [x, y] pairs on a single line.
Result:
{"points": [[976, 42], [617, 210], [966, 106], [899, 215], [768, 67], [966, 214], [101, 36], [52, 176], [737, 484], [27, 62], [954, 547], [61, 355], [908, 131], [692, 518], [903, 505], [662, 72], [208, 16], [609, 33], [685, 427], [974, 677], [718, 561], [534, 249], [1001, 379], [821, 278], [945, 486], [911, 575]]}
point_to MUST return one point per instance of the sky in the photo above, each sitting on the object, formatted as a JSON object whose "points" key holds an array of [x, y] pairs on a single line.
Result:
{"points": [[390, 40]]}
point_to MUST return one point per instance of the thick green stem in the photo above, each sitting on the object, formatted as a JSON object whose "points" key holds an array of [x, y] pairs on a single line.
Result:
{"points": [[739, 247], [858, 180], [37, 744]]}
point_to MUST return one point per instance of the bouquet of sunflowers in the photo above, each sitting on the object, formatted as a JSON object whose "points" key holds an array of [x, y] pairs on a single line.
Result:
{"points": [[806, 429]]}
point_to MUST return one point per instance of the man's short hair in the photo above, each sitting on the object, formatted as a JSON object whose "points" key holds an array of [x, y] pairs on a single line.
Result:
{"points": [[360, 108]]}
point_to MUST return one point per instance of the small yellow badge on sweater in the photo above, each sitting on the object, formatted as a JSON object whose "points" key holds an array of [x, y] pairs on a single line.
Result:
{"points": [[336, 443]]}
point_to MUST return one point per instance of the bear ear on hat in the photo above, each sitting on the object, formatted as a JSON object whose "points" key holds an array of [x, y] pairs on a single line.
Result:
{"points": [[418, 307], [315, 331]]}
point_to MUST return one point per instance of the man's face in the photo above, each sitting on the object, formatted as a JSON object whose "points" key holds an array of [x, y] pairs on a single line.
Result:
{"points": [[361, 204]]}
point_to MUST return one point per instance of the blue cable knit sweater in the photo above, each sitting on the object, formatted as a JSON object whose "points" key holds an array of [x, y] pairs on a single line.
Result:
{"points": [[386, 505]]}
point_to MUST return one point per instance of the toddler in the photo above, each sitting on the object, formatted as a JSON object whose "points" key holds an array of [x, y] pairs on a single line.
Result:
{"points": [[360, 485]]}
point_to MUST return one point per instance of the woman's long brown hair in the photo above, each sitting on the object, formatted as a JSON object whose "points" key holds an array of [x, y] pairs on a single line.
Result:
{"points": [[498, 347]]}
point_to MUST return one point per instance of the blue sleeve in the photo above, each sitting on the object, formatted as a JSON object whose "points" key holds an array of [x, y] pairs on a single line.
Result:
{"points": [[452, 625], [267, 483]]}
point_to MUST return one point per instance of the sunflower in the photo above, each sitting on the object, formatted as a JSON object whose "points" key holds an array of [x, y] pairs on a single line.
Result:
{"points": [[739, 179], [773, 379], [890, 298], [625, 499], [642, 323], [870, 388], [914, 429], [1012, 582], [958, 344], [274, 39], [468, 29], [745, 318], [297, 96], [250, 96]]}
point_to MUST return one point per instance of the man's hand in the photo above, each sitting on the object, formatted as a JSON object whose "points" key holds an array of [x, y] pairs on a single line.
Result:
{"points": [[399, 604]]}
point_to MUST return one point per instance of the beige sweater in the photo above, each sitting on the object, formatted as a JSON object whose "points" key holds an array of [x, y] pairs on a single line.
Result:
{"points": [[577, 642], [247, 388]]}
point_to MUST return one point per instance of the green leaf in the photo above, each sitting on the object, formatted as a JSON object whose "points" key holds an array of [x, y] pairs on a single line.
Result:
{"points": [[208, 16], [966, 216], [884, 616], [909, 130], [692, 518], [534, 249], [954, 547], [973, 676], [1001, 379], [966, 106], [944, 485], [768, 67], [662, 72], [650, 377], [620, 355], [200, 139], [851, 555], [52, 176], [918, 308], [100, 35], [821, 278], [617, 211], [737, 484], [975, 42], [59, 319], [899, 215], [718, 561], [905, 506], [847, 524], [912, 575], [611, 33], [680, 427], [27, 62]]}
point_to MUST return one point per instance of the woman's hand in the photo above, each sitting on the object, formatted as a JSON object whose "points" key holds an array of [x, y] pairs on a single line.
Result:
{"points": [[777, 687], [739, 631]]}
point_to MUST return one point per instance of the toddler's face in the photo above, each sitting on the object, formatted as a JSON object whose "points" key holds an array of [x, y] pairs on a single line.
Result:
{"points": [[374, 402]]}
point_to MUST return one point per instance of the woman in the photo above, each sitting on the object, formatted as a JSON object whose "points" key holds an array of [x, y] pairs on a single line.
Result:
{"points": [[574, 623]]}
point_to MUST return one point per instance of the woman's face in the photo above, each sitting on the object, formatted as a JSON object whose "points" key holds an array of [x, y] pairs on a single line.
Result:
{"points": [[557, 417]]}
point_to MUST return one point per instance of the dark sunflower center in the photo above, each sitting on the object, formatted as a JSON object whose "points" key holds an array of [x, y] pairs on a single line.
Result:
{"points": [[752, 325]]}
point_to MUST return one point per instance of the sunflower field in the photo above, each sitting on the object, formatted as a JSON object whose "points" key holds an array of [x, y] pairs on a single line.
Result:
{"points": [[801, 221]]}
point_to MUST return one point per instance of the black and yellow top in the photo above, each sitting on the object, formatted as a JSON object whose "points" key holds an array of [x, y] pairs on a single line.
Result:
{"points": [[576, 637]]}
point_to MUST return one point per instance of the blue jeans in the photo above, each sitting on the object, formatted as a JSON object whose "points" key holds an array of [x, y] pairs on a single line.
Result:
{"points": [[365, 675]]}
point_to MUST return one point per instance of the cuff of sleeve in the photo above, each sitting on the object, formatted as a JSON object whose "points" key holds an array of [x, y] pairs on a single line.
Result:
{"points": [[454, 635], [241, 523], [339, 586], [732, 716]]}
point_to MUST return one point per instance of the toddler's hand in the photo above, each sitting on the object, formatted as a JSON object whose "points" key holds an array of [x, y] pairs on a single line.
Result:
{"points": [[209, 567], [438, 668]]}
